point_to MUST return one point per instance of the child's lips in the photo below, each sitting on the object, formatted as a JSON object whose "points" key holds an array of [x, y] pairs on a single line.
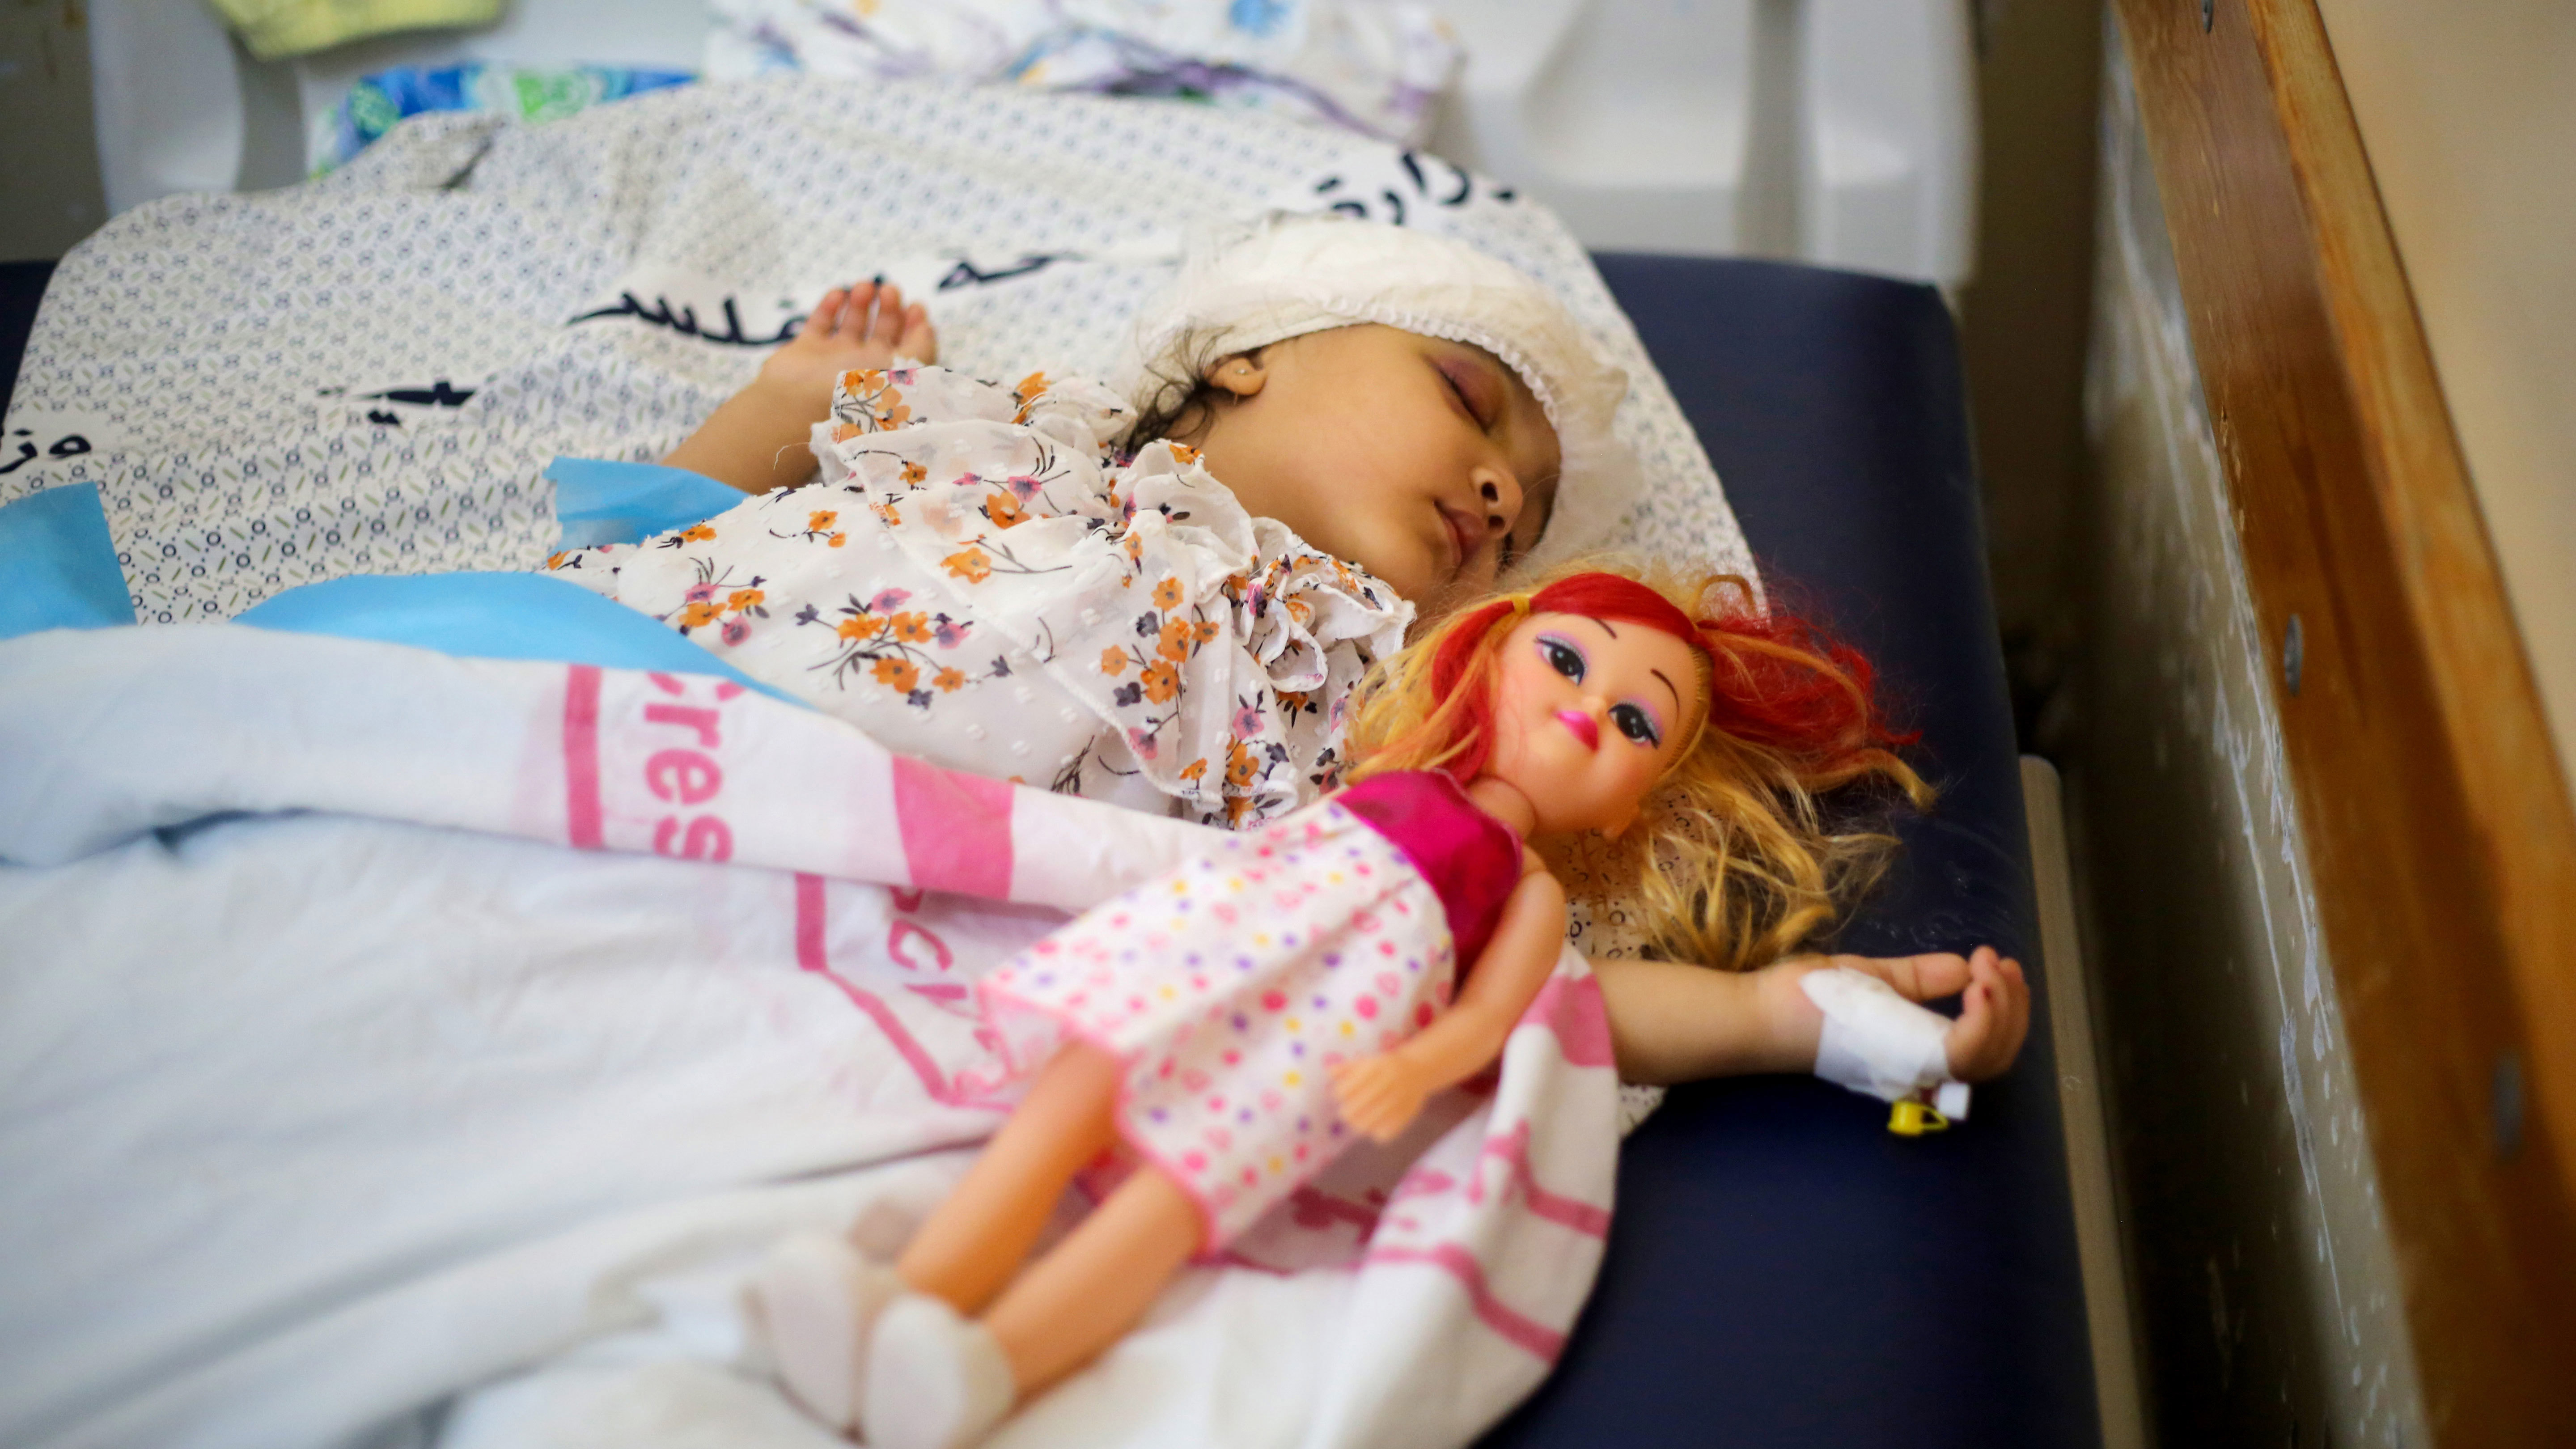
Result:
{"points": [[1462, 538], [1582, 726]]}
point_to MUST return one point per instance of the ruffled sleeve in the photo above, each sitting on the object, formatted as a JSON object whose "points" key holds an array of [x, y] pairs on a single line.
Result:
{"points": [[1072, 412]]}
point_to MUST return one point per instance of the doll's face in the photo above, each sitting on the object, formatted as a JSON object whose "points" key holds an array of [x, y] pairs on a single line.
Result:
{"points": [[1427, 462], [1589, 715]]}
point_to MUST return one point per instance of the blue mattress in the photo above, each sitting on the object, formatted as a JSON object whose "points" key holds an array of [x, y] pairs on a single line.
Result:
{"points": [[1781, 1270]]}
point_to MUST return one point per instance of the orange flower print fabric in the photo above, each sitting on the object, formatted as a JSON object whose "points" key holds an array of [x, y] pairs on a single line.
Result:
{"points": [[869, 401], [978, 577]]}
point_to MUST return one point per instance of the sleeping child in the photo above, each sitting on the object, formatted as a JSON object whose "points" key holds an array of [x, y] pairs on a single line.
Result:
{"points": [[1163, 597], [1166, 595]]}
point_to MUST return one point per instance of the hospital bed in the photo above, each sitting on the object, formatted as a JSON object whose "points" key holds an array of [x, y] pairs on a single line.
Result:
{"points": [[1781, 1270]]}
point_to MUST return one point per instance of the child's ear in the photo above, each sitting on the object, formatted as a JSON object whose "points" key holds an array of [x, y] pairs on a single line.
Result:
{"points": [[1243, 374]]}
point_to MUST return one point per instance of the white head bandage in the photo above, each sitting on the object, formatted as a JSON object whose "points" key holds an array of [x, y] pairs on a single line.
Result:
{"points": [[1286, 276], [1879, 1044]]}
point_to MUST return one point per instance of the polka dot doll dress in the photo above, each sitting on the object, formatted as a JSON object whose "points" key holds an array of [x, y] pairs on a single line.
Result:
{"points": [[1230, 987]]}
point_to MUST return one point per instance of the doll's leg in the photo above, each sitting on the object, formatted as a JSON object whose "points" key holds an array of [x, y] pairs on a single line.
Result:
{"points": [[977, 1239], [935, 1380], [819, 1303], [938, 1381], [1095, 1284]]}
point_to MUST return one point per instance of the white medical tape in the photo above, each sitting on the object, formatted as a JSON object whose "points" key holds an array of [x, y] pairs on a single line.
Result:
{"points": [[1877, 1043]]}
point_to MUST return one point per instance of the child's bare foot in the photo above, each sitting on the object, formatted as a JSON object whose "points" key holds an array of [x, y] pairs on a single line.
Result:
{"points": [[862, 326]]}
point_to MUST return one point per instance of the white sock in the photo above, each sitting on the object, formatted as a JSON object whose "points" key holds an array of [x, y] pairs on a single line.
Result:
{"points": [[815, 1300], [935, 1380]]}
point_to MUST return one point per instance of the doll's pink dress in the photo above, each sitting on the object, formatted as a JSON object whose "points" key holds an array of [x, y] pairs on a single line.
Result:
{"points": [[1231, 986]]}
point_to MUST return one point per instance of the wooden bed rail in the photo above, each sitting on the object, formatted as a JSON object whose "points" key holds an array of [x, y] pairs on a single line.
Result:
{"points": [[2437, 822]]}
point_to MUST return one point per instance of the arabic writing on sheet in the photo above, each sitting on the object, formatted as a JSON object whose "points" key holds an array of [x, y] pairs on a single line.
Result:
{"points": [[440, 394], [1429, 180], [967, 274], [437, 394], [69, 445], [683, 318], [684, 321]]}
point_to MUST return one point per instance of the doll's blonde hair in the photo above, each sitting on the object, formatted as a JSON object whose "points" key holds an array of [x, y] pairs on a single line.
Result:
{"points": [[1733, 860]]}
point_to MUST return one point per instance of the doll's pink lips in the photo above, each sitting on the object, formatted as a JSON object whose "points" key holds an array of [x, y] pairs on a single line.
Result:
{"points": [[1582, 726]]}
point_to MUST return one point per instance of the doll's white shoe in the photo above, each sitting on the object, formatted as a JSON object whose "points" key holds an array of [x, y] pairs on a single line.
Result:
{"points": [[936, 1380], [815, 1300]]}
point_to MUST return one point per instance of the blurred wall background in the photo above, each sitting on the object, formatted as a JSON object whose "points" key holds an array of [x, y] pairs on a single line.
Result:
{"points": [[49, 191], [2023, 323], [2469, 115], [2269, 1304], [2269, 1301]]}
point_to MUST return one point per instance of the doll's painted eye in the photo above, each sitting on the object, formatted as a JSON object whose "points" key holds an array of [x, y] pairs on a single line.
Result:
{"points": [[1636, 724], [1562, 657]]}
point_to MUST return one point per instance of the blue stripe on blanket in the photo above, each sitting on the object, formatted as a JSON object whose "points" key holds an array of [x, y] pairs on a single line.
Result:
{"points": [[61, 569], [492, 616], [598, 501], [60, 564]]}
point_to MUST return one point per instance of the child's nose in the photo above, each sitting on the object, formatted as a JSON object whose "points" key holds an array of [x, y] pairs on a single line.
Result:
{"points": [[1501, 493]]}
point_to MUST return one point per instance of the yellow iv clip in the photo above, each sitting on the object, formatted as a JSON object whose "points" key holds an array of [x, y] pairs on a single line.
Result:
{"points": [[1913, 1118]]}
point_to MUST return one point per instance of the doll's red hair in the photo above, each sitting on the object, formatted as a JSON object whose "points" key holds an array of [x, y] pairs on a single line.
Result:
{"points": [[1733, 863], [1773, 679]]}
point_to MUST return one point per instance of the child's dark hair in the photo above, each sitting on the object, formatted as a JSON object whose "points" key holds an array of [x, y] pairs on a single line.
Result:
{"points": [[1177, 398]]}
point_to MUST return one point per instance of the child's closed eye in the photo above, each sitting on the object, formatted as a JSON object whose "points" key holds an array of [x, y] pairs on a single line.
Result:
{"points": [[1463, 386]]}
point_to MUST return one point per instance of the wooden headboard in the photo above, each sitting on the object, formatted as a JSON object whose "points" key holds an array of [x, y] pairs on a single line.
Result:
{"points": [[2438, 824]]}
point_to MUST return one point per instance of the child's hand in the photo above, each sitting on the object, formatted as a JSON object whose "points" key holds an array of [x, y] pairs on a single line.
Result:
{"points": [[1994, 1015], [1380, 1095], [862, 326], [1994, 1012], [756, 440]]}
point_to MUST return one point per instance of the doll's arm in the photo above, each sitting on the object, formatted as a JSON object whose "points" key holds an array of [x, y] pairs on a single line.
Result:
{"points": [[1675, 1022], [1380, 1094], [756, 441]]}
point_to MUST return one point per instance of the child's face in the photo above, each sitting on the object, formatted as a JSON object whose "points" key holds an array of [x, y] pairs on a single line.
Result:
{"points": [[1589, 715], [1427, 462]]}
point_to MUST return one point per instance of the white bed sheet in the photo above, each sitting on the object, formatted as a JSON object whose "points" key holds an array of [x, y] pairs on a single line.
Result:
{"points": [[395, 1117]]}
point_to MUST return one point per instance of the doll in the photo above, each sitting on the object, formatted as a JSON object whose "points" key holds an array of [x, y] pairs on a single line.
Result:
{"points": [[1238, 1021]]}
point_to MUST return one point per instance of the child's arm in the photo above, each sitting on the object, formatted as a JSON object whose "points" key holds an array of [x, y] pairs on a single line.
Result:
{"points": [[1675, 1022], [757, 440], [1379, 1095]]}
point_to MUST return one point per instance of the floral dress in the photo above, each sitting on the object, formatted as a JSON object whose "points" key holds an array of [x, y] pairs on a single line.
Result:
{"points": [[977, 577], [1228, 989]]}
